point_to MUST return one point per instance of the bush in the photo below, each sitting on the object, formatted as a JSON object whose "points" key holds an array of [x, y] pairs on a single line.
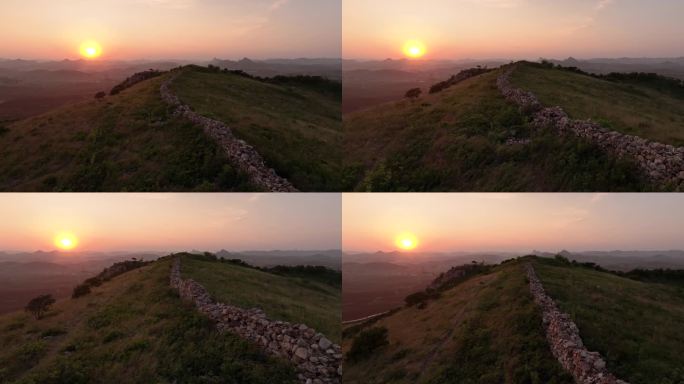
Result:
{"points": [[80, 290], [100, 95], [39, 305], [367, 342], [413, 93]]}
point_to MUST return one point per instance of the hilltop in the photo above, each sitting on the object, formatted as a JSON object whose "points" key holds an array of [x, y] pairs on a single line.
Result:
{"points": [[470, 137], [476, 323], [135, 141], [132, 326]]}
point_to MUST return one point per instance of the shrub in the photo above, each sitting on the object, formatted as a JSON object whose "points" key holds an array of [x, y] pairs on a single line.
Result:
{"points": [[367, 342], [80, 290], [39, 305], [413, 93], [100, 95]]}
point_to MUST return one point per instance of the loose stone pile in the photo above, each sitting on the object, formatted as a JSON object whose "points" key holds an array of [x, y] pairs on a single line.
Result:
{"points": [[566, 344], [239, 152], [317, 359], [662, 163]]}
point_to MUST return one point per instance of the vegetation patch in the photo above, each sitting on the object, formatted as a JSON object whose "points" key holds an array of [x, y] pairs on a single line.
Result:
{"points": [[647, 346], [294, 123], [287, 297]]}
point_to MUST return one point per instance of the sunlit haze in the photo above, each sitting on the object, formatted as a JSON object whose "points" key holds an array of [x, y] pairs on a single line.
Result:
{"points": [[512, 222], [169, 222], [170, 29], [514, 29]]}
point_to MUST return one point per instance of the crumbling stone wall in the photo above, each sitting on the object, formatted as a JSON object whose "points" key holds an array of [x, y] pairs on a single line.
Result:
{"points": [[564, 339], [318, 360], [661, 163], [239, 152]]}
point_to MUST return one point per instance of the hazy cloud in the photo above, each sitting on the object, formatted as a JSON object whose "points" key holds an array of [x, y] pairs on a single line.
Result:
{"points": [[499, 3], [173, 4], [277, 4]]}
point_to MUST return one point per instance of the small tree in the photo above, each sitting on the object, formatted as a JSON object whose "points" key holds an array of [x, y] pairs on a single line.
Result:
{"points": [[39, 305], [413, 93], [80, 290], [100, 95]]}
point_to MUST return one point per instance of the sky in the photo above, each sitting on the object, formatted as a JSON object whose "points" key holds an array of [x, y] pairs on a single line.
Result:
{"points": [[514, 29], [171, 222], [513, 222], [171, 29]]}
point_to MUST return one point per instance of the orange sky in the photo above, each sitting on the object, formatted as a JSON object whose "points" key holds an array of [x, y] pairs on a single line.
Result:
{"points": [[171, 222], [513, 222], [178, 29], [514, 29]]}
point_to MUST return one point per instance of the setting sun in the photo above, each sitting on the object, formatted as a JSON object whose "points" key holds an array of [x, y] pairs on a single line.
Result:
{"points": [[406, 241], [414, 49], [66, 241], [91, 49]]}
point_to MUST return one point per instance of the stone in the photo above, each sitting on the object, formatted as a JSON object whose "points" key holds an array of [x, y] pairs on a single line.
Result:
{"points": [[302, 353]]}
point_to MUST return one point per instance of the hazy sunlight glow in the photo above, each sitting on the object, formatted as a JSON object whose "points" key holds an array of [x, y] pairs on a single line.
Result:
{"points": [[91, 49], [406, 241], [66, 241], [414, 49]]}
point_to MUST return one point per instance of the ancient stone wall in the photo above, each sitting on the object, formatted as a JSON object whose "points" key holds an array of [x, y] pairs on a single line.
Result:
{"points": [[317, 359], [243, 155], [662, 163], [564, 339]]}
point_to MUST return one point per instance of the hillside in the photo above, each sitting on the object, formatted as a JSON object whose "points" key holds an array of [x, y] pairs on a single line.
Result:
{"points": [[479, 330], [469, 138], [126, 142], [486, 329], [646, 108], [132, 329], [133, 140], [313, 300], [294, 124], [636, 326]]}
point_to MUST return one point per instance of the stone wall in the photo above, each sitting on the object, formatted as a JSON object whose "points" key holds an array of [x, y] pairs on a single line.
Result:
{"points": [[661, 163], [317, 359], [243, 155], [564, 339]]}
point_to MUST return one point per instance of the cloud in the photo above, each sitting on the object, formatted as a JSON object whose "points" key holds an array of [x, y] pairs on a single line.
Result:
{"points": [[277, 4], [596, 197], [603, 4], [589, 20]]}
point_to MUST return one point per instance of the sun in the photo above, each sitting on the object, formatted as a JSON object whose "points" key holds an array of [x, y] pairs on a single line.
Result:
{"points": [[406, 241], [66, 241], [91, 49], [414, 49]]}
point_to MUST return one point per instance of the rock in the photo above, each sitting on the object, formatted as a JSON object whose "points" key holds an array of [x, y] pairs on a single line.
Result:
{"points": [[302, 353]]}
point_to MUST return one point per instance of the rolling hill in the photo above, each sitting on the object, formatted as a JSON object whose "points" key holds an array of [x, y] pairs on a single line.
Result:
{"points": [[468, 137], [481, 327], [132, 329], [132, 141]]}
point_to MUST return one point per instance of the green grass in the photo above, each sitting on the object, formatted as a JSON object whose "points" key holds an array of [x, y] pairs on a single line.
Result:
{"points": [[128, 142], [486, 329], [292, 299], [636, 326], [133, 329], [628, 107], [296, 128], [455, 141]]}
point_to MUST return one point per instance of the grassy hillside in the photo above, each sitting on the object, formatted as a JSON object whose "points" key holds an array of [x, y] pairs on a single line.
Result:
{"points": [[289, 298], [295, 126], [635, 325], [484, 330], [132, 329], [456, 140], [641, 108], [127, 142]]}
